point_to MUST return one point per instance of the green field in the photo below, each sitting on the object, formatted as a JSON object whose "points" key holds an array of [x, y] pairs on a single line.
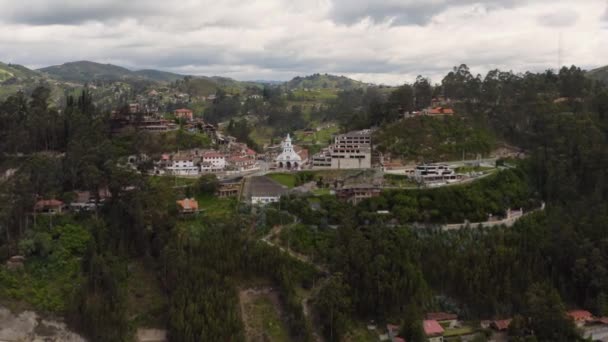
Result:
{"points": [[215, 207], [287, 179], [147, 304], [321, 137], [315, 94], [265, 320], [262, 135]]}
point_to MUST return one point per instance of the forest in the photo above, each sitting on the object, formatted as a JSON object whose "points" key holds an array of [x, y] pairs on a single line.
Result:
{"points": [[381, 269]]}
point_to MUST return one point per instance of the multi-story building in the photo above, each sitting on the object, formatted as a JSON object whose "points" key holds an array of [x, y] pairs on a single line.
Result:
{"points": [[182, 165], [433, 173], [217, 161], [352, 150]]}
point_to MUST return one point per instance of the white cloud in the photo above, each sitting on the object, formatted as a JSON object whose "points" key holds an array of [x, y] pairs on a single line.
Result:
{"points": [[279, 39]]}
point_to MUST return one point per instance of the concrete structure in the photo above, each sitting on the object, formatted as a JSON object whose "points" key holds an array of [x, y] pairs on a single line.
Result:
{"points": [[288, 159], [217, 161], [357, 193], [228, 189], [263, 190], [434, 173], [352, 150], [182, 165]]}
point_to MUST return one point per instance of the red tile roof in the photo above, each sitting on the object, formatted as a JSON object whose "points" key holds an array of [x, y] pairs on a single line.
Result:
{"points": [[48, 203], [212, 155], [188, 204], [441, 110], [502, 324], [579, 315], [441, 316], [183, 110], [432, 328]]}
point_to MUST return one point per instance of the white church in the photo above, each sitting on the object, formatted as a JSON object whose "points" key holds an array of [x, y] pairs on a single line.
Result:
{"points": [[290, 159]]}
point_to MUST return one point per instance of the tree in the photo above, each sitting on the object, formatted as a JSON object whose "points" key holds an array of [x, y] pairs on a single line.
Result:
{"points": [[207, 184], [547, 315], [333, 305], [423, 93]]}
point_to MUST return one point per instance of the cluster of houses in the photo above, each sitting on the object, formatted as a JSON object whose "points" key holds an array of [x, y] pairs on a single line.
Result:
{"points": [[437, 326], [145, 118], [236, 157]]}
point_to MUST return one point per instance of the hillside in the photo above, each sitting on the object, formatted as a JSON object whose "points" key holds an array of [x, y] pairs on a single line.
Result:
{"points": [[16, 72], [600, 74], [159, 76], [427, 139], [86, 71], [323, 81]]}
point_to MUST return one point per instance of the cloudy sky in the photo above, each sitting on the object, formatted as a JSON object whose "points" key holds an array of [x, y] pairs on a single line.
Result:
{"points": [[388, 41]]}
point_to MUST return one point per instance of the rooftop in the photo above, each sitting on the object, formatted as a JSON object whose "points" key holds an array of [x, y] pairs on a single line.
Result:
{"points": [[264, 186], [432, 327]]}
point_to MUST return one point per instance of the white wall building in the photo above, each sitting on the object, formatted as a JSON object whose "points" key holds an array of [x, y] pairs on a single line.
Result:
{"points": [[352, 150], [435, 173], [288, 159], [216, 160], [183, 166]]}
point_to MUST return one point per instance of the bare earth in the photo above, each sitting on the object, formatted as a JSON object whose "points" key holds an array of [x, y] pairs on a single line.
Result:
{"points": [[28, 326]]}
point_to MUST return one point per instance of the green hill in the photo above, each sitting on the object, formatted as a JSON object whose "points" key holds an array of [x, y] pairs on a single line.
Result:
{"points": [[323, 81], [86, 71], [160, 76], [16, 72], [600, 74]]}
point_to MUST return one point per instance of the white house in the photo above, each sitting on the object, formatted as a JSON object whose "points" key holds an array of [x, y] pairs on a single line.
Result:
{"points": [[182, 165], [216, 160], [263, 190]]}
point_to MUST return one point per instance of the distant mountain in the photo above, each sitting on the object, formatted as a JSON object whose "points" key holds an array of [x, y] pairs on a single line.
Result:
{"points": [[86, 71], [160, 76], [323, 81], [600, 74]]}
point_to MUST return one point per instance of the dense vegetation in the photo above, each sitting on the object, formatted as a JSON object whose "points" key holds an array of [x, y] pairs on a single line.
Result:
{"points": [[378, 266]]}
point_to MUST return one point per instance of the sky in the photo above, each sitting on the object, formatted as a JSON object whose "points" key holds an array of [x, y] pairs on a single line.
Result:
{"points": [[389, 42]]}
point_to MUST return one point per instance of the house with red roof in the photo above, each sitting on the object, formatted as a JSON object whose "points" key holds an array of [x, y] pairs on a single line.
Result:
{"points": [[501, 324], [183, 113], [393, 333], [433, 330], [187, 206], [580, 317], [444, 318], [215, 159], [49, 207], [438, 111]]}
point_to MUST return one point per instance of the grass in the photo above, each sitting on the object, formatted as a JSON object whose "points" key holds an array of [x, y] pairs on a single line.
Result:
{"points": [[359, 333], [287, 179], [458, 331], [315, 94], [321, 137], [321, 192], [466, 169], [147, 305], [266, 320], [215, 207], [173, 180], [399, 181], [261, 134]]}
